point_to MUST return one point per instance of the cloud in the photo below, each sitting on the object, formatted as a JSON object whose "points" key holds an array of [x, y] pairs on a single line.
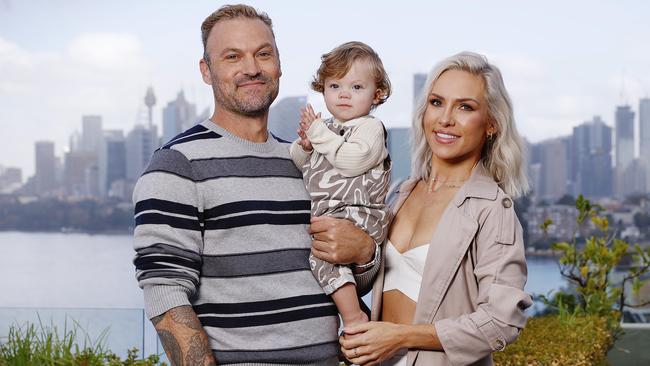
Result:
{"points": [[102, 74]]}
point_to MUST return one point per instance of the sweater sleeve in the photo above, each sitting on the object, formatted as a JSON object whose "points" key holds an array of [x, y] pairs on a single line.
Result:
{"points": [[298, 155], [364, 149], [168, 237]]}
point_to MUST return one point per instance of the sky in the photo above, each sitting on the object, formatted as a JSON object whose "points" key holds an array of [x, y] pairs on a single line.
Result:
{"points": [[563, 62]]}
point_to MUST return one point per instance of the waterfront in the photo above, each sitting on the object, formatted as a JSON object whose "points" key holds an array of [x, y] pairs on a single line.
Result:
{"points": [[92, 276]]}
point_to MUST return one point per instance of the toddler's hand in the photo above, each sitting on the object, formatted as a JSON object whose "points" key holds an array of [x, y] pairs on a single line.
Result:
{"points": [[307, 116], [304, 141]]}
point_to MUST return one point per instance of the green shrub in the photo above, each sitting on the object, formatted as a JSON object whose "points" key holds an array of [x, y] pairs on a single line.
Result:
{"points": [[29, 346], [550, 340]]}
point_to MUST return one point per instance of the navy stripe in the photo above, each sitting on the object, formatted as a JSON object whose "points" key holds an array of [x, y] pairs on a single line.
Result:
{"points": [[201, 136], [168, 273], [173, 221], [166, 206], [258, 219], [243, 206], [266, 319], [279, 139], [256, 264], [295, 355], [141, 262], [260, 306]]}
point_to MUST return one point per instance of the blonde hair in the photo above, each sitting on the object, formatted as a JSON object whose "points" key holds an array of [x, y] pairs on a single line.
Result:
{"points": [[337, 63], [228, 12], [502, 155]]}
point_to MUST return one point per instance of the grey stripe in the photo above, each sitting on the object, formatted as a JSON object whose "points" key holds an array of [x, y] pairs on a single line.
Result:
{"points": [[297, 355], [169, 249], [171, 161], [256, 263], [246, 166]]}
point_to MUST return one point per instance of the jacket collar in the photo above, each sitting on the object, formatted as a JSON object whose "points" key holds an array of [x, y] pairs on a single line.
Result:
{"points": [[479, 185]]}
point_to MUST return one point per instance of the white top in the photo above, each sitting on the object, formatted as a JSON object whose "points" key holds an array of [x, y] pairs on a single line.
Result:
{"points": [[403, 271]]}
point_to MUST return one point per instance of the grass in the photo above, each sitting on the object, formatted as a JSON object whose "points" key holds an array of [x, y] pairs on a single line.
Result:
{"points": [[29, 345]]}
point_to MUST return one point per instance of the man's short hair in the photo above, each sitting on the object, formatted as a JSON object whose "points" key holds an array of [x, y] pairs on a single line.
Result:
{"points": [[337, 63], [228, 12]]}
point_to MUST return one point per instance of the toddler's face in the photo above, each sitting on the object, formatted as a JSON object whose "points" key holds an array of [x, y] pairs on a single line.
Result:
{"points": [[354, 94]]}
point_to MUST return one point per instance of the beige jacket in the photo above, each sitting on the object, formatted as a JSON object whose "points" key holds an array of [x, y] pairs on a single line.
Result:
{"points": [[474, 275]]}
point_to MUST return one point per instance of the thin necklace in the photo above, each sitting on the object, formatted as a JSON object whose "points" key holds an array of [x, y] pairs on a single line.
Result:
{"points": [[444, 183]]}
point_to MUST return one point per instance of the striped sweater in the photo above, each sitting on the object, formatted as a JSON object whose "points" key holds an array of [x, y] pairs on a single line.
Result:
{"points": [[221, 225]]}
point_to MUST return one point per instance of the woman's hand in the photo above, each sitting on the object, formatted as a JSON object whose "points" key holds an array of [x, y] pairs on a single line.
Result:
{"points": [[373, 342]]}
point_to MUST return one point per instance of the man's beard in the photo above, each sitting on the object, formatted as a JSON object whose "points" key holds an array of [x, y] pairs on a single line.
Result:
{"points": [[247, 105]]}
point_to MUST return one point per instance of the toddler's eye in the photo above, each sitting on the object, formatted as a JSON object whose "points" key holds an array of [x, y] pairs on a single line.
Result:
{"points": [[357, 87], [334, 86]]}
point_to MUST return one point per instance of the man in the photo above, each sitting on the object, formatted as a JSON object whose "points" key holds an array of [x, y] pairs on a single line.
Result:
{"points": [[222, 221]]}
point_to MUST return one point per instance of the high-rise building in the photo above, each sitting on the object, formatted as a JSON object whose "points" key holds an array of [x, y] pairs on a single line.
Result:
{"points": [[592, 149], [284, 116], [399, 149], [10, 179], [624, 136], [112, 160], [91, 133], [45, 175], [552, 169], [140, 145], [644, 138], [634, 178], [419, 80], [178, 116], [74, 172]]}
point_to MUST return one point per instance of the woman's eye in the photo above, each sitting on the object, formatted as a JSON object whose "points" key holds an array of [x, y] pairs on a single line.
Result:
{"points": [[466, 107], [436, 102]]}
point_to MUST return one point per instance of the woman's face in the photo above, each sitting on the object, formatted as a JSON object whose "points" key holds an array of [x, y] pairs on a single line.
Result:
{"points": [[456, 120]]}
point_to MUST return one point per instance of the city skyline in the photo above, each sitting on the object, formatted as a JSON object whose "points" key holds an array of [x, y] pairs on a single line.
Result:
{"points": [[560, 64]]}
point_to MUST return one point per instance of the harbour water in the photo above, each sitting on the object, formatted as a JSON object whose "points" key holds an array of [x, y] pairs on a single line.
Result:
{"points": [[90, 278]]}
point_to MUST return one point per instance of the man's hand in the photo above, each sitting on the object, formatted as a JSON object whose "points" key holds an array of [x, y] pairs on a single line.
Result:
{"points": [[339, 241], [183, 337]]}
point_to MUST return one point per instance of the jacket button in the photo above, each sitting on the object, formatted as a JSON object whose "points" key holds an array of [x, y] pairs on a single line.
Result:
{"points": [[506, 202], [499, 345]]}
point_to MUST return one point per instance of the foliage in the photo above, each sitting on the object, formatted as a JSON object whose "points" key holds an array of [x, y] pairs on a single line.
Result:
{"points": [[551, 340], [29, 346], [590, 268]]}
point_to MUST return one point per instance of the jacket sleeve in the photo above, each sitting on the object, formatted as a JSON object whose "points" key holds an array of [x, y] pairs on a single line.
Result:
{"points": [[364, 149], [168, 234], [500, 272]]}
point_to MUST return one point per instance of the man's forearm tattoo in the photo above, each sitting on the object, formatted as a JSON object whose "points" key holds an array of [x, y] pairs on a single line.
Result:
{"points": [[195, 342]]}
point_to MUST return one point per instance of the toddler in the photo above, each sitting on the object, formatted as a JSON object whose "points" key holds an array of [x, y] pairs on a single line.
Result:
{"points": [[344, 159]]}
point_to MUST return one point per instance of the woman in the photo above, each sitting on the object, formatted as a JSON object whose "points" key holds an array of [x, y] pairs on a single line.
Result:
{"points": [[450, 291]]}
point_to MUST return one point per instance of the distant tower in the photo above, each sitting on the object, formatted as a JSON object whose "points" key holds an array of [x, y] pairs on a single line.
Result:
{"points": [[150, 101]]}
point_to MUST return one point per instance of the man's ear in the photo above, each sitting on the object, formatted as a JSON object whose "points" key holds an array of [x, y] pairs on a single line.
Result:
{"points": [[205, 71]]}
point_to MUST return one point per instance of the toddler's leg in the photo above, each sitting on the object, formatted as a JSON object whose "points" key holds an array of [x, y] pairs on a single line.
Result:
{"points": [[338, 282]]}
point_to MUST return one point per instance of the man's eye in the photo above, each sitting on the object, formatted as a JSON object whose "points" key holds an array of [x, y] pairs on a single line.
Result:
{"points": [[231, 56], [265, 54]]}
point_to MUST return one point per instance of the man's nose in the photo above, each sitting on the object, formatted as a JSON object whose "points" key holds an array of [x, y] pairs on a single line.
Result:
{"points": [[250, 66]]}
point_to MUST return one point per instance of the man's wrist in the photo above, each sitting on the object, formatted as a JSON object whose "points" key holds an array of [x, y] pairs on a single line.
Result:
{"points": [[370, 261]]}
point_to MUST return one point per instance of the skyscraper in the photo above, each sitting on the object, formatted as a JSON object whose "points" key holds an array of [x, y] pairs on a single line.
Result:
{"points": [[178, 116], [592, 147], [91, 133], [112, 160], [624, 136], [140, 145], [284, 116], [75, 164], [45, 175], [553, 169], [419, 80], [644, 138], [399, 149]]}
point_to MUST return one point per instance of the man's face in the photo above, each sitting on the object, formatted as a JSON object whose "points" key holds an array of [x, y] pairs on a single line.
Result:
{"points": [[244, 66]]}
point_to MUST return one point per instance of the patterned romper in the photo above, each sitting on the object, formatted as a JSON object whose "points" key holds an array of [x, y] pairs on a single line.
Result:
{"points": [[359, 199]]}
